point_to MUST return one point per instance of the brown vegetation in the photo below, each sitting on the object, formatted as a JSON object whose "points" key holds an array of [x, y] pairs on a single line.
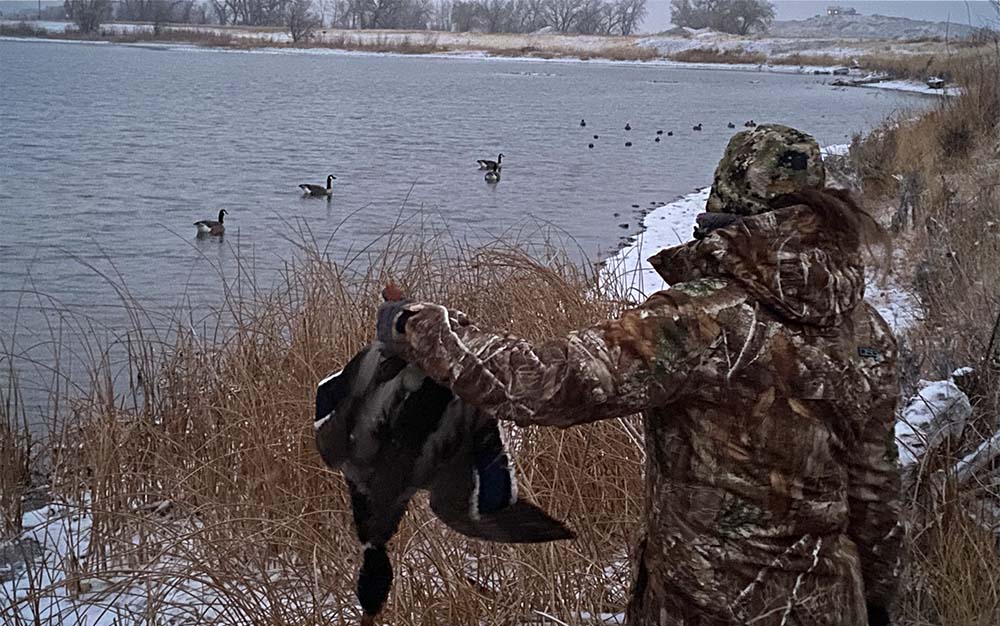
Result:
{"points": [[713, 55], [935, 178]]}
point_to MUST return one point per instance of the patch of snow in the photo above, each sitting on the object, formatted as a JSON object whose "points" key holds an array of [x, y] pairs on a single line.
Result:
{"points": [[937, 411], [912, 86], [868, 27]]}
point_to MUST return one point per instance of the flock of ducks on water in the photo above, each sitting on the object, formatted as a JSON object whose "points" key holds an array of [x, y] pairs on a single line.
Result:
{"points": [[216, 228]]}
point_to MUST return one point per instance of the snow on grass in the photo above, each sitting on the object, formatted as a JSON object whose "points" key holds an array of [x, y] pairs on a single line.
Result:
{"points": [[937, 411], [912, 86]]}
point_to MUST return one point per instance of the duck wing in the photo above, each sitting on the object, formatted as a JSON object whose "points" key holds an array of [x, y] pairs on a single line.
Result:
{"points": [[476, 494]]}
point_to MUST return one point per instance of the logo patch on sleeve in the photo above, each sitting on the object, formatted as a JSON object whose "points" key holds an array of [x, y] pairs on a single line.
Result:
{"points": [[869, 353]]}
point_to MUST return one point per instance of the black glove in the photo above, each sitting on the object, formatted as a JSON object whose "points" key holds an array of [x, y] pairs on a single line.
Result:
{"points": [[877, 615]]}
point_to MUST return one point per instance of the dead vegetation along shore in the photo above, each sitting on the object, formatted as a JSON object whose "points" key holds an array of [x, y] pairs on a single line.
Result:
{"points": [[936, 180]]}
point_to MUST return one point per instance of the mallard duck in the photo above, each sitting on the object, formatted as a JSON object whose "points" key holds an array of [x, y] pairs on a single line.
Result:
{"points": [[319, 190], [392, 431], [212, 227], [486, 164], [493, 176]]}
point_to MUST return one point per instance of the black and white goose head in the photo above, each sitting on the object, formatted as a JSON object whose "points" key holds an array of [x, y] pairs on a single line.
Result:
{"points": [[392, 431]]}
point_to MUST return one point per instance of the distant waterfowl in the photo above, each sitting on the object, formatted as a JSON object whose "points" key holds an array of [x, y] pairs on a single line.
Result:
{"points": [[659, 132], [493, 176], [628, 144], [697, 127], [319, 190], [596, 137], [628, 126], [590, 145], [486, 164], [583, 123], [750, 124], [670, 133], [731, 125], [212, 227], [657, 140]]}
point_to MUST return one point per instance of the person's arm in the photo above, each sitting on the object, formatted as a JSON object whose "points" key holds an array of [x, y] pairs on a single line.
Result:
{"points": [[875, 526], [616, 368]]}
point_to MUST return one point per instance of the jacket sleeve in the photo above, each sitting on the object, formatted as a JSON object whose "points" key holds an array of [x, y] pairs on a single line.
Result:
{"points": [[874, 499], [616, 368]]}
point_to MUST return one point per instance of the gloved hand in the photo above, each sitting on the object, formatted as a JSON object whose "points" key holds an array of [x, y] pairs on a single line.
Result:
{"points": [[391, 319], [877, 615]]}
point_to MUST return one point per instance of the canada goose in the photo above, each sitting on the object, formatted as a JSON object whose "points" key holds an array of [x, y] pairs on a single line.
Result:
{"points": [[392, 431], [628, 126], [698, 127], [731, 125], [486, 164], [583, 123], [319, 190], [493, 176], [212, 227]]}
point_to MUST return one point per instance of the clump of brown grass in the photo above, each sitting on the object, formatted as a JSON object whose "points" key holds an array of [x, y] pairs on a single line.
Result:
{"points": [[714, 55], [943, 166], [197, 467], [15, 455], [799, 58]]}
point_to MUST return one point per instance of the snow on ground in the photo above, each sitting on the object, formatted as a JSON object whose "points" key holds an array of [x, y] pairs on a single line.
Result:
{"points": [[937, 411], [913, 86], [868, 27]]}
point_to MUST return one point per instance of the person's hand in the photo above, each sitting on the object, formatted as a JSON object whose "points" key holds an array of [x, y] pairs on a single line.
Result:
{"points": [[878, 615], [390, 326]]}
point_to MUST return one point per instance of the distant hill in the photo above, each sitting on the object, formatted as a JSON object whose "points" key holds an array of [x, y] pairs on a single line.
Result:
{"points": [[867, 27]]}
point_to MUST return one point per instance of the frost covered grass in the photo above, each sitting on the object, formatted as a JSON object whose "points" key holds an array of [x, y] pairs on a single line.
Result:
{"points": [[186, 487], [934, 178]]}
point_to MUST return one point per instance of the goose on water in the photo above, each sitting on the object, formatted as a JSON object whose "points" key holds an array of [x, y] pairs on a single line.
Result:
{"points": [[486, 164], [319, 190], [212, 227], [696, 127], [392, 431], [493, 176]]}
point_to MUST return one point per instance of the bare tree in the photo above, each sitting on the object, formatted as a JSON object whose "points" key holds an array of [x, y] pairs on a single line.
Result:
{"points": [[728, 16], [629, 15], [301, 21], [88, 14]]}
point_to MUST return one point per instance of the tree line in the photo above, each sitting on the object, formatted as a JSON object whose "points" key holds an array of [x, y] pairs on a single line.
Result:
{"points": [[302, 17]]}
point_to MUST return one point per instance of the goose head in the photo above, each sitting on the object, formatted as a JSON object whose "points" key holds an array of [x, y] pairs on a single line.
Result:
{"points": [[222, 215], [329, 180]]}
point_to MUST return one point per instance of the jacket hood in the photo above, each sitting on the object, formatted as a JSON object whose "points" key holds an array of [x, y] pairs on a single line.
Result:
{"points": [[786, 258]]}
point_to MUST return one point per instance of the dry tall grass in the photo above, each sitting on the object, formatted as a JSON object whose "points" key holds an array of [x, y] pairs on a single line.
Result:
{"points": [[198, 470], [938, 179]]}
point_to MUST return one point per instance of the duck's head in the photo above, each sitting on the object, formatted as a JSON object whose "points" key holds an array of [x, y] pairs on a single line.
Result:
{"points": [[374, 582]]}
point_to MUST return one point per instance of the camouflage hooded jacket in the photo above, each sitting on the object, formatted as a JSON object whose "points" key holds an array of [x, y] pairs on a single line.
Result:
{"points": [[768, 391]]}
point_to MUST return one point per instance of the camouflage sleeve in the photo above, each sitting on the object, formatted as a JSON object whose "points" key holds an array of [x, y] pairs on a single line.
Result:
{"points": [[613, 369], [874, 490]]}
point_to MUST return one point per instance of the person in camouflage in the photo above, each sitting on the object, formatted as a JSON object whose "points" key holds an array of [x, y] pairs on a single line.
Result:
{"points": [[768, 389]]}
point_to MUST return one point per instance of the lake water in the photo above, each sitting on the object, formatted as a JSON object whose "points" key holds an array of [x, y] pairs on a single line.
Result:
{"points": [[108, 154]]}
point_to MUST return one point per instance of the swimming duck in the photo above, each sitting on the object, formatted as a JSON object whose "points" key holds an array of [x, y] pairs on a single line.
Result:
{"points": [[493, 176], [696, 127], [583, 123], [670, 133], [628, 126], [214, 228], [486, 164], [659, 132], [750, 124], [730, 125], [392, 431], [319, 190]]}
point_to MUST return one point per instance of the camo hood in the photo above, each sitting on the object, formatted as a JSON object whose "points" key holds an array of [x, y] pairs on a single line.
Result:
{"points": [[761, 164], [784, 258]]}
